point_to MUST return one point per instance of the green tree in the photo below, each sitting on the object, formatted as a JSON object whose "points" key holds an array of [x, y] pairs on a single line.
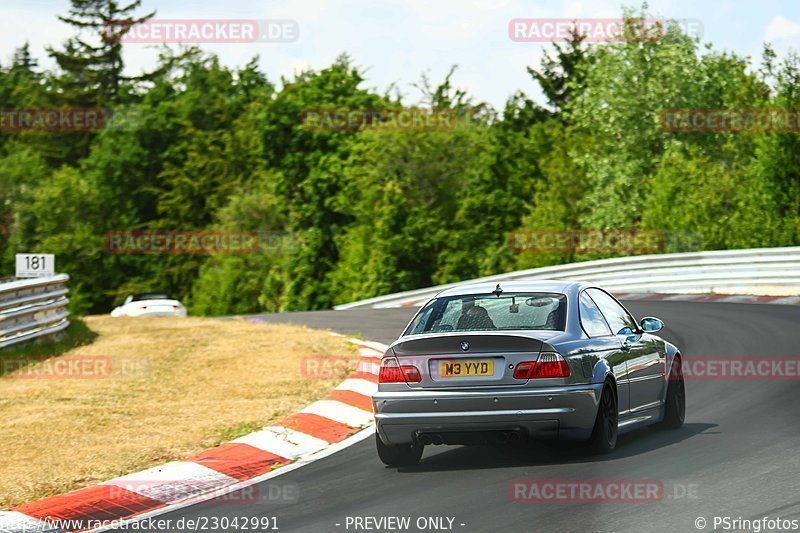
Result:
{"points": [[628, 87], [93, 71], [561, 75], [305, 158]]}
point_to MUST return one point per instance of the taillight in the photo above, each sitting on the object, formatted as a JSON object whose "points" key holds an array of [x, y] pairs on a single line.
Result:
{"points": [[524, 370], [411, 374], [392, 372], [549, 365]]}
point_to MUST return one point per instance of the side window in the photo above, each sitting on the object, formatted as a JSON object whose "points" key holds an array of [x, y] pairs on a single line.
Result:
{"points": [[591, 319], [615, 314]]}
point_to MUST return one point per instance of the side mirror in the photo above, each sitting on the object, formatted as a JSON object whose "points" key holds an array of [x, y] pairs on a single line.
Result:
{"points": [[651, 324]]}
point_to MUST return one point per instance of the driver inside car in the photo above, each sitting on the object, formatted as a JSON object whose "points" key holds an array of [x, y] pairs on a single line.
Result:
{"points": [[474, 317]]}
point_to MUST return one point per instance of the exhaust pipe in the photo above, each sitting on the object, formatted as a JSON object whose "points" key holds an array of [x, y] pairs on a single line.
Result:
{"points": [[437, 439], [425, 440], [514, 436]]}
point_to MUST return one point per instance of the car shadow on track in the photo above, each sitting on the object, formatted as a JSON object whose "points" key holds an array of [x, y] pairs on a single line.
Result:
{"points": [[551, 453]]}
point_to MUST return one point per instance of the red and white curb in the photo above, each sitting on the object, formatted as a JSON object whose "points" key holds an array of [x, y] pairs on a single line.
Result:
{"points": [[725, 298], [670, 297], [343, 418]]}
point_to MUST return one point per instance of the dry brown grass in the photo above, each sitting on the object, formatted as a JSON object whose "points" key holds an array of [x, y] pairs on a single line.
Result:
{"points": [[177, 386]]}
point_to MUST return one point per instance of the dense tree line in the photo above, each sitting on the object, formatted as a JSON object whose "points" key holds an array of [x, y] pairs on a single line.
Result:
{"points": [[197, 145]]}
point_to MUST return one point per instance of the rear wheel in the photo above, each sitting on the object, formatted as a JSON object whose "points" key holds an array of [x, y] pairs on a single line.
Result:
{"points": [[675, 402], [400, 455], [604, 434]]}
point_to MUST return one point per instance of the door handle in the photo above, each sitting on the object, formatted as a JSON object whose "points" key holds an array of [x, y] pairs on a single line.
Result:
{"points": [[628, 343]]}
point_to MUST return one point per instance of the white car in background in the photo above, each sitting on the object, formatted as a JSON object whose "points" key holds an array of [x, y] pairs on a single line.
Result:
{"points": [[149, 304]]}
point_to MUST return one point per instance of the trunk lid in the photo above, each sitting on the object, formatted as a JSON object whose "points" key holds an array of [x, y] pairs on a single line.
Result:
{"points": [[470, 359]]}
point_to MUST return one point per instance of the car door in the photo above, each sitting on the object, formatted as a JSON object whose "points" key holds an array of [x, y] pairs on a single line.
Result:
{"points": [[641, 351], [604, 341]]}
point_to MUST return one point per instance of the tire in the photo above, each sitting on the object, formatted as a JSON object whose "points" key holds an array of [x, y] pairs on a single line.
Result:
{"points": [[675, 401], [605, 431], [401, 455]]}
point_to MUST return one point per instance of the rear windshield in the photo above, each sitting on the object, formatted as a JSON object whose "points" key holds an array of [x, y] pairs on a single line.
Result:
{"points": [[487, 312], [149, 296]]}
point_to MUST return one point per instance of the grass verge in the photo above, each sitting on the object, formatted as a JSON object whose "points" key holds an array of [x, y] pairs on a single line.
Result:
{"points": [[153, 390]]}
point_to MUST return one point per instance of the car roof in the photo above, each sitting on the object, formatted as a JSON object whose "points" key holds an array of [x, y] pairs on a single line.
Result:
{"points": [[533, 285]]}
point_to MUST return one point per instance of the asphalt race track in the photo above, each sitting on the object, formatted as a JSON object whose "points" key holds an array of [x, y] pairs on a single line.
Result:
{"points": [[738, 454]]}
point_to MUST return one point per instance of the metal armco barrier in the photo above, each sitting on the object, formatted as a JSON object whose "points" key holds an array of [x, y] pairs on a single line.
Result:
{"points": [[32, 308], [695, 272]]}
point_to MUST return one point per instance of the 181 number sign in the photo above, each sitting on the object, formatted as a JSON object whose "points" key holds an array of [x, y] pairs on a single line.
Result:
{"points": [[35, 265]]}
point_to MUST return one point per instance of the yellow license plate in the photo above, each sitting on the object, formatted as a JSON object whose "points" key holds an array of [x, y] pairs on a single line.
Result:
{"points": [[465, 369]]}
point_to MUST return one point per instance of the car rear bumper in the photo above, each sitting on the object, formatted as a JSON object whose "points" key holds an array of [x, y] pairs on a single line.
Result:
{"points": [[541, 413]]}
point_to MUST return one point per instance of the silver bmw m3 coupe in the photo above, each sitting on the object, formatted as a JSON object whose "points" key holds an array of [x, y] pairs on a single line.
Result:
{"points": [[524, 360]]}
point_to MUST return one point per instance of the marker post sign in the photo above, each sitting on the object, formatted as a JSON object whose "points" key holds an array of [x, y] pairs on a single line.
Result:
{"points": [[35, 265]]}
